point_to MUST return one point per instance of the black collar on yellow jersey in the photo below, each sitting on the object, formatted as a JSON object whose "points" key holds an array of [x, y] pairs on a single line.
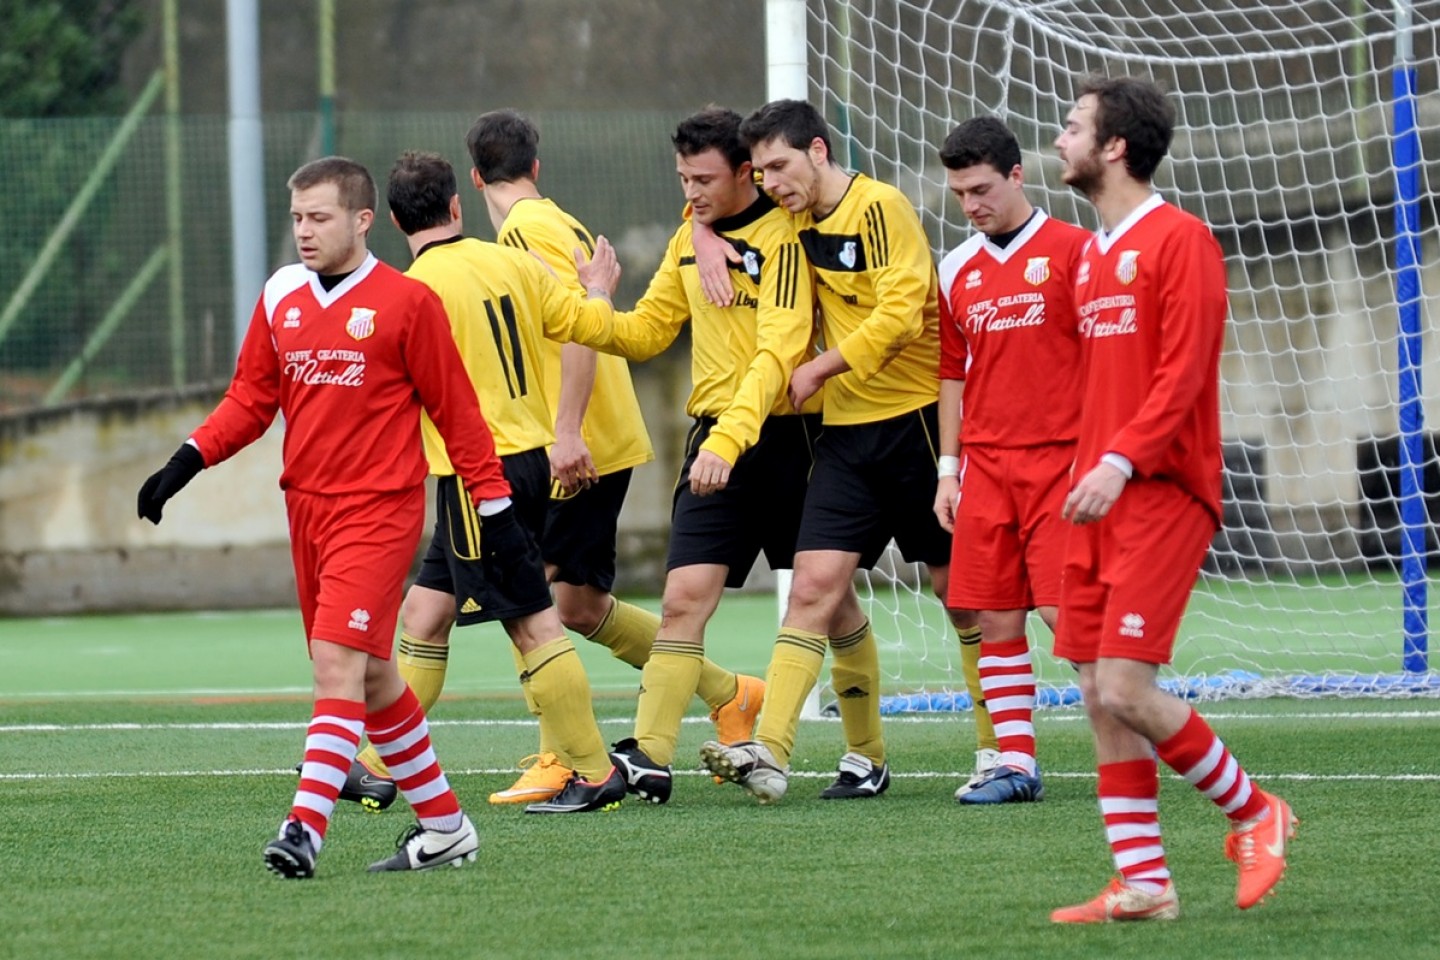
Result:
{"points": [[762, 205], [439, 243]]}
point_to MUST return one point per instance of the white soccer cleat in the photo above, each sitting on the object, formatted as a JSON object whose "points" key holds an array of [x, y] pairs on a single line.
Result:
{"points": [[422, 849], [751, 765], [987, 761]]}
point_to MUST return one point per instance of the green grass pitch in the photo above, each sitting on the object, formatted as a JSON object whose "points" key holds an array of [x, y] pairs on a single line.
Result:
{"points": [[146, 759]]}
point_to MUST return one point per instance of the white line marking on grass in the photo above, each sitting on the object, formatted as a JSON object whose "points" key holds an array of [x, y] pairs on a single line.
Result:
{"points": [[158, 694], [616, 721], [796, 774]]}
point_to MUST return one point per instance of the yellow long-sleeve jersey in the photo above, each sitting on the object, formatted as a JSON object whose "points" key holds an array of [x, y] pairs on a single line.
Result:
{"points": [[503, 305], [741, 355], [878, 294], [613, 428]]}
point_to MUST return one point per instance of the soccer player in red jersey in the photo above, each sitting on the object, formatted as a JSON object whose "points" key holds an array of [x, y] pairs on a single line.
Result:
{"points": [[1007, 309], [349, 350], [1145, 501]]}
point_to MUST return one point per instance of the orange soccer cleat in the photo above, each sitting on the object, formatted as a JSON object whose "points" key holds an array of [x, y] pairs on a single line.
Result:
{"points": [[1120, 901], [1258, 848]]}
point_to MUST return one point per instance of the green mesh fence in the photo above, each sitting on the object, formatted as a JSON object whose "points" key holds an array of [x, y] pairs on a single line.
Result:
{"points": [[615, 171]]}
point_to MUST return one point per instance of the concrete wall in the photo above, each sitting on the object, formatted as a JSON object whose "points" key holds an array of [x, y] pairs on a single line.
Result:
{"points": [[70, 540]]}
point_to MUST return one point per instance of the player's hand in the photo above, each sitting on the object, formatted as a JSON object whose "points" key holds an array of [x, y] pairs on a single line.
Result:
{"points": [[805, 382], [947, 496], [1091, 498], [708, 474], [713, 257], [570, 463], [168, 481], [602, 270]]}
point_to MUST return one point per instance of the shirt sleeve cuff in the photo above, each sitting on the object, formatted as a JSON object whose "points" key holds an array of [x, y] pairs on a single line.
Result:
{"points": [[1119, 462]]}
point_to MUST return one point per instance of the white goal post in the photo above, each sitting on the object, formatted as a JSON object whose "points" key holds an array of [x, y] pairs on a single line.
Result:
{"points": [[1308, 137]]}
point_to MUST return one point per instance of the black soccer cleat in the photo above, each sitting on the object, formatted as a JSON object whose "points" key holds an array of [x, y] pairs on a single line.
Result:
{"points": [[648, 780], [859, 778], [291, 854], [581, 796], [373, 792]]}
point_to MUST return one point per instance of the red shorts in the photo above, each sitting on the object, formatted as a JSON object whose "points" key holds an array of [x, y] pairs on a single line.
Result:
{"points": [[1128, 577], [1009, 543], [352, 554]]}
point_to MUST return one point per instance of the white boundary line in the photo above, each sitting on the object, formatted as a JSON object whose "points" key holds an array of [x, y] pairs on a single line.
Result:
{"points": [[797, 774], [1069, 716]]}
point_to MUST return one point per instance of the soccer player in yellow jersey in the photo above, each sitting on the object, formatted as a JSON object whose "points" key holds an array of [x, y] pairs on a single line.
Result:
{"points": [[486, 566], [599, 438], [875, 466], [747, 456]]}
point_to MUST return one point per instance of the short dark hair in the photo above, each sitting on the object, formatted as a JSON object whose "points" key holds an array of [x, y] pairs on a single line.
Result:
{"points": [[1137, 111], [981, 140], [794, 121], [503, 145], [419, 191], [353, 182], [714, 128]]}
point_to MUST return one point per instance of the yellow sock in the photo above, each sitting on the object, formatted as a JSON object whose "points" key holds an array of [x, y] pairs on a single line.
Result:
{"points": [[557, 681], [970, 666], [855, 674], [547, 734], [628, 631], [716, 686], [794, 668], [666, 686], [422, 665]]}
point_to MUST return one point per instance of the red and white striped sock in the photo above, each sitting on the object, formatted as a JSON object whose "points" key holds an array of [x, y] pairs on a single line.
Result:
{"points": [[1129, 802], [401, 735], [1198, 755], [1008, 681], [331, 743]]}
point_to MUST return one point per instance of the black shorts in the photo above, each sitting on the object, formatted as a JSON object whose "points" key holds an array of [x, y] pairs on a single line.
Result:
{"points": [[490, 565], [874, 482], [760, 507], [529, 476], [580, 532]]}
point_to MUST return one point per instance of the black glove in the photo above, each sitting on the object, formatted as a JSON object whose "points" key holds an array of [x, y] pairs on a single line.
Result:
{"points": [[168, 481]]}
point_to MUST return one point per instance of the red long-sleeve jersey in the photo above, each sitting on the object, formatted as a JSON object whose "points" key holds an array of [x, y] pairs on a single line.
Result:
{"points": [[1007, 328], [1151, 300], [350, 369]]}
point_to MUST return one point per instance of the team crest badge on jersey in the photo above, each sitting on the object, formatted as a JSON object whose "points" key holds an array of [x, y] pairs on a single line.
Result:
{"points": [[1037, 270], [848, 255], [361, 323], [751, 262], [1127, 269]]}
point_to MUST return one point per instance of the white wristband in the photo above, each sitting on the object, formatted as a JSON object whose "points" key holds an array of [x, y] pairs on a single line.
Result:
{"points": [[948, 466]]}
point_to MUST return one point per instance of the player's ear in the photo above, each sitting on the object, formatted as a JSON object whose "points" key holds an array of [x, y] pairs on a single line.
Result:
{"points": [[455, 208], [535, 170], [819, 153], [476, 179]]}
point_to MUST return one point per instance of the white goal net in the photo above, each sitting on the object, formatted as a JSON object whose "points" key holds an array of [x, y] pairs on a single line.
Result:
{"points": [[1286, 145]]}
